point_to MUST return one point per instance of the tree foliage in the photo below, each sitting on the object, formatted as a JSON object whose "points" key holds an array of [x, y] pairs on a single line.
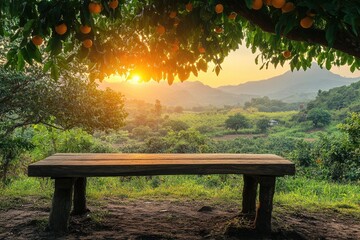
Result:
{"points": [[319, 117], [345, 97], [237, 122], [265, 104], [33, 98], [164, 39]]}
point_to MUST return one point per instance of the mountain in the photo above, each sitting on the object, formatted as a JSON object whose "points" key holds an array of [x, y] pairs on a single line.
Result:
{"points": [[297, 86], [187, 94], [292, 86]]}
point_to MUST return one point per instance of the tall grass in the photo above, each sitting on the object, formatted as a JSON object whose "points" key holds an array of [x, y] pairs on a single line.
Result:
{"points": [[294, 192]]}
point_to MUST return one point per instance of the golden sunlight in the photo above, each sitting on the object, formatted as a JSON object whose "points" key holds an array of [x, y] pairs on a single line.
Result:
{"points": [[133, 79]]}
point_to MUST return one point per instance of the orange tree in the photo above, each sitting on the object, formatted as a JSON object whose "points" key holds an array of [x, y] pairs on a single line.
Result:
{"points": [[162, 39]]}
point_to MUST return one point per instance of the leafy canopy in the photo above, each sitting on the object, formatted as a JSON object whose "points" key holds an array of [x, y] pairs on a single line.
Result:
{"points": [[160, 39], [34, 98]]}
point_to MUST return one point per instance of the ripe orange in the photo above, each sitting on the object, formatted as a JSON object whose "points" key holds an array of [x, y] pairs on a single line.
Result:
{"points": [[219, 8], [94, 7], [257, 4], [37, 40], [172, 14], [278, 3], [306, 22], [286, 54], [87, 43], [85, 29], [219, 30], [288, 7], [232, 16], [201, 49], [160, 29], [189, 7], [113, 4], [61, 29]]}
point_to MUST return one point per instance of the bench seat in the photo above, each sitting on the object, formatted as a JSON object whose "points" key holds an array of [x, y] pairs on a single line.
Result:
{"points": [[115, 164], [70, 171]]}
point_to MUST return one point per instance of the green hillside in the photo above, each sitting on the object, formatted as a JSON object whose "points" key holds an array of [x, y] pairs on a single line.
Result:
{"points": [[345, 98]]}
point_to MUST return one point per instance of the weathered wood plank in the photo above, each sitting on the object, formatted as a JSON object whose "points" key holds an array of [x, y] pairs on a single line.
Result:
{"points": [[87, 165]]}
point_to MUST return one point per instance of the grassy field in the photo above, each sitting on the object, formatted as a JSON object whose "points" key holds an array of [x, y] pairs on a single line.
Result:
{"points": [[291, 192]]}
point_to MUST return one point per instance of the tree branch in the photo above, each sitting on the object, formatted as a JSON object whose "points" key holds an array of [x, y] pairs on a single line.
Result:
{"points": [[343, 42]]}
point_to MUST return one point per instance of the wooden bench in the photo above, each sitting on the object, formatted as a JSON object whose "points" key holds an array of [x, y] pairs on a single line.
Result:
{"points": [[70, 172]]}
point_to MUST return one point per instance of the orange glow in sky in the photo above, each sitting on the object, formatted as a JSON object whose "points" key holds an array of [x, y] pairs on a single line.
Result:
{"points": [[239, 67]]}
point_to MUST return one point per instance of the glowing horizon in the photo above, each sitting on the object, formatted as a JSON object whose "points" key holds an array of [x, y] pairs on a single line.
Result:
{"points": [[239, 67]]}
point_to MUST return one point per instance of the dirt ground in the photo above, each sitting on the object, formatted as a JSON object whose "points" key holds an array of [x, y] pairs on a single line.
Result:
{"points": [[114, 218]]}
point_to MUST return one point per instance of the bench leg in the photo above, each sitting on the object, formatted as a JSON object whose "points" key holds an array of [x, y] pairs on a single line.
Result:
{"points": [[263, 214], [80, 197], [249, 194], [61, 205]]}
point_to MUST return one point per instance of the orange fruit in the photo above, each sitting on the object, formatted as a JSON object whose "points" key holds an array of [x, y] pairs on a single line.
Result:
{"points": [[257, 4], [189, 7], [61, 29], [286, 54], [288, 7], [232, 16], [268, 2], [37, 40], [94, 7], [278, 3], [219, 30], [172, 14], [113, 4], [201, 49], [160, 29], [85, 29], [306, 22], [87, 43], [219, 8]]}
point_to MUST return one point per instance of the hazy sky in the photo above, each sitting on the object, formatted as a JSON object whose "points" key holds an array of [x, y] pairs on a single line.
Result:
{"points": [[240, 67]]}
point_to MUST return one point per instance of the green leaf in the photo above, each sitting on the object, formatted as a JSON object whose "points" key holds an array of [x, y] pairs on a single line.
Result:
{"points": [[55, 74], [28, 27], [26, 56], [48, 65], [20, 61]]}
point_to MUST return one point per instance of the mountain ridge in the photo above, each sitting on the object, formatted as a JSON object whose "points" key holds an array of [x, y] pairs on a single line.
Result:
{"points": [[297, 86]]}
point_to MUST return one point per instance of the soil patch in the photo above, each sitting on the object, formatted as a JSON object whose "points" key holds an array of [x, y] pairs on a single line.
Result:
{"points": [[115, 218]]}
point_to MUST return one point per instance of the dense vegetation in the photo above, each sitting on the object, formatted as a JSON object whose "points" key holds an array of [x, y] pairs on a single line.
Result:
{"points": [[265, 104], [345, 98], [164, 39]]}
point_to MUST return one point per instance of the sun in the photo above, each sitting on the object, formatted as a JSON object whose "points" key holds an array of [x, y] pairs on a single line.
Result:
{"points": [[135, 79]]}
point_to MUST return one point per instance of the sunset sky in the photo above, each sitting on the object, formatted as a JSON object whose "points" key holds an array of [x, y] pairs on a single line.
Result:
{"points": [[239, 67]]}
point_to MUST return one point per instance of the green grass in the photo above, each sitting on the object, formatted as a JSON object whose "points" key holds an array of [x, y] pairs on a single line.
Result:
{"points": [[294, 192]]}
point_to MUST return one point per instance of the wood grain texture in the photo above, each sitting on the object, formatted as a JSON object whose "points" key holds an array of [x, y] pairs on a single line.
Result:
{"points": [[88, 165]]}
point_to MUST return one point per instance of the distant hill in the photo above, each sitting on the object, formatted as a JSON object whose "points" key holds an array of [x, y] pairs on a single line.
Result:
{"points": [[292, 86], [346, 98], [187, 94], [297, 86]]}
